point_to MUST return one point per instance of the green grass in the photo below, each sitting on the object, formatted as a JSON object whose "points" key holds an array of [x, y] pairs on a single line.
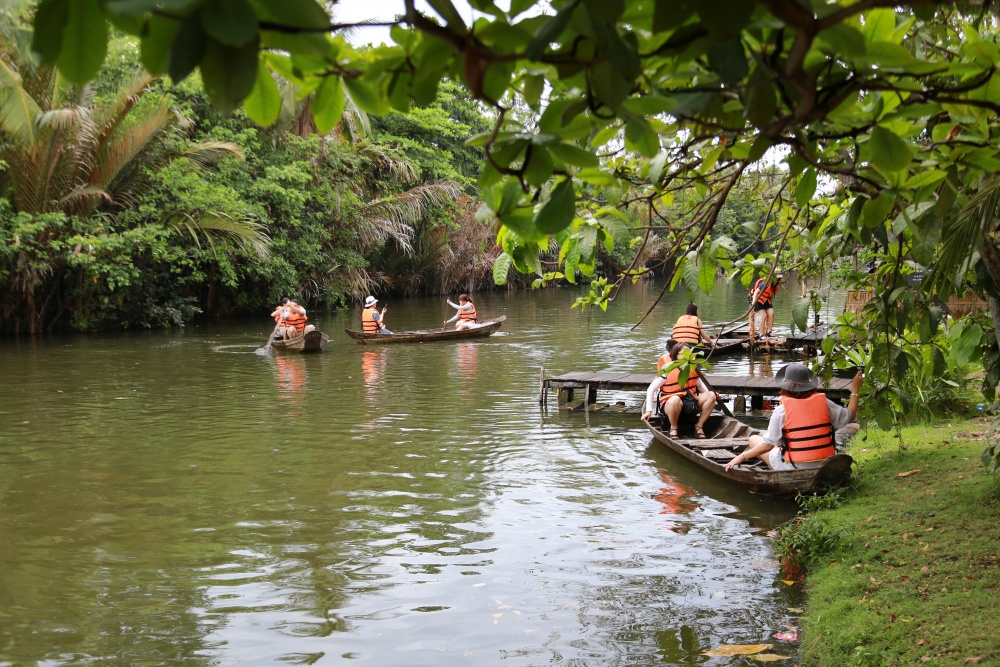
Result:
{"points": [[914, 578]]}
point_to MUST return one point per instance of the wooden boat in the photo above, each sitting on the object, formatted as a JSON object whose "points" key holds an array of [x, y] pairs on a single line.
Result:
{"points": [[314, 341], [484, 329], [722, 346], [727, 437]]}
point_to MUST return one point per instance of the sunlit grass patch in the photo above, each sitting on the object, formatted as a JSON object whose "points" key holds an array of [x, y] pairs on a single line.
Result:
{"points": [[915, 578]]}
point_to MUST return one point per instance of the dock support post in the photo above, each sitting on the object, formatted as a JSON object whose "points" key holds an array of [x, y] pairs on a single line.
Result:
{"points": [[564, 396], [756, 402], [541, 388], [740, 404]]}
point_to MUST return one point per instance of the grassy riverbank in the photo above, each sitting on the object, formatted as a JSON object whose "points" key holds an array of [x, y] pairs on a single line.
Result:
{"points": [[911, 573]]}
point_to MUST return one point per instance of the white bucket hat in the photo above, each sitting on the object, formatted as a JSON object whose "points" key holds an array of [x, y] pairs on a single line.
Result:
{"points": [[370, 301]]}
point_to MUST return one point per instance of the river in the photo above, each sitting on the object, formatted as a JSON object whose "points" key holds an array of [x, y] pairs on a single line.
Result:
{"points": [[175, 498]]}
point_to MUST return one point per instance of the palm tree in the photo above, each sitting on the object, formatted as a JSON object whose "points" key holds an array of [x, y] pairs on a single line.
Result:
{"points": [[66, 152]]}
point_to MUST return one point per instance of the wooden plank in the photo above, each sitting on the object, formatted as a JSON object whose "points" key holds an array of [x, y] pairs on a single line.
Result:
{"points": [[722, 443]]}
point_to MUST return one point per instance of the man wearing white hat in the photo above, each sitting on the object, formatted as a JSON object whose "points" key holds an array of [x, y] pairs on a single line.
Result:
{"points": [[371, 319]]}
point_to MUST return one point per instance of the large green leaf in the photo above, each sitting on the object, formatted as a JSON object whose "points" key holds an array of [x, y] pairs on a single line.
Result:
{"points": [[328, 104], [187, 49], [263, 104], [229, 73], [888, 151], [800, 314], [158, 35], [307, 14], [558, 212], [84, 41], [230, 22], [501, 267], [50, 21], [573, 155]]}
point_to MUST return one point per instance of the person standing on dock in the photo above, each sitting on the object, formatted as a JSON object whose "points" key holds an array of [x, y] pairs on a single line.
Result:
{"points": [[692, 400], [801, 431], [762, 297], [688, 328], [466, 314], [371, 320]]}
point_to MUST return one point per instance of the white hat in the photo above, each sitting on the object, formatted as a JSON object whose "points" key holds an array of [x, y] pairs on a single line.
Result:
{"points": [[370, 301]]}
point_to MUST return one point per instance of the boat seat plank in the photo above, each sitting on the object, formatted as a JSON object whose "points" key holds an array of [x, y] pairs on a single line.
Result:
{"points": [[712, 443], [718, 455]]}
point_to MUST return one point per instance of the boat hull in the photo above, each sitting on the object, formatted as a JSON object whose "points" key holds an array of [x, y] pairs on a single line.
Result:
{"points": [[314, 341], [727, 437], [485, 328]]}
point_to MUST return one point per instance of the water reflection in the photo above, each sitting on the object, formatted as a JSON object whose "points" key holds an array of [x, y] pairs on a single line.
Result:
{"points": [[677, 500], [290, 376]]}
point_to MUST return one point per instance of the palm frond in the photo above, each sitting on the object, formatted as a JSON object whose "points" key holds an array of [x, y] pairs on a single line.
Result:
{"points": [[963, 234], [59, 119], [393, 217], [245, 234], [208, 154], [111, 116], [91, 195], [18, 109], [120, 159], [389, 165]]}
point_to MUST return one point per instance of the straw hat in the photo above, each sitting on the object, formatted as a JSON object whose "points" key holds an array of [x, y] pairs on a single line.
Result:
{"points": [[796, 378]]}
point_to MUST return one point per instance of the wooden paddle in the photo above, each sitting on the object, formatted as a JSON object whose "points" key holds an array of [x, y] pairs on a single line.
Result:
{"points": [[718, 399], [270, 338]]}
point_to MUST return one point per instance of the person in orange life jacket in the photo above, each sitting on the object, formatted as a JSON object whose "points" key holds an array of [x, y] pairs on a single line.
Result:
{"points": [[762, 297], [665, 358], [688, 328], [280, 314], [371, 320], [801, 431], [666, 394], [297, 318], [466, 314]]}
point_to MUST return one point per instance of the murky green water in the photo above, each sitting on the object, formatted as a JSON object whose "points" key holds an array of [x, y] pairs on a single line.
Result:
{"points": [[173, 498]]}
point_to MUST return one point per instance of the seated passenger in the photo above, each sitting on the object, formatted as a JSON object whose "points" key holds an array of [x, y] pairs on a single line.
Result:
{"points": [[667, 397], [373, 321], [801, 431], [665, 358], [466, 314]]}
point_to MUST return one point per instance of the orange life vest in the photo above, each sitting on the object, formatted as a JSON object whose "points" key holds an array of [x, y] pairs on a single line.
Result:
{"points": [[296, 319], [468, 316], [807, 432], [767, 293], [664, 360], [671, 387], [368, 323], [687, 329]]}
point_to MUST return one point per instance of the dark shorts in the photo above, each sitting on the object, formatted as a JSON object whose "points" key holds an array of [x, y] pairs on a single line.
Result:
{"points": [[690, 410], [767, 305]]}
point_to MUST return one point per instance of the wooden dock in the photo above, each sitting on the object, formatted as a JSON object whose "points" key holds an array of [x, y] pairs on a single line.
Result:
{"points": [[591, 382]]}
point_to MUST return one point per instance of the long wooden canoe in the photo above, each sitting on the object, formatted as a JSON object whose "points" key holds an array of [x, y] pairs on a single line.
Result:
{"points": [[485, 328], [727, 437], [314, 341]]}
